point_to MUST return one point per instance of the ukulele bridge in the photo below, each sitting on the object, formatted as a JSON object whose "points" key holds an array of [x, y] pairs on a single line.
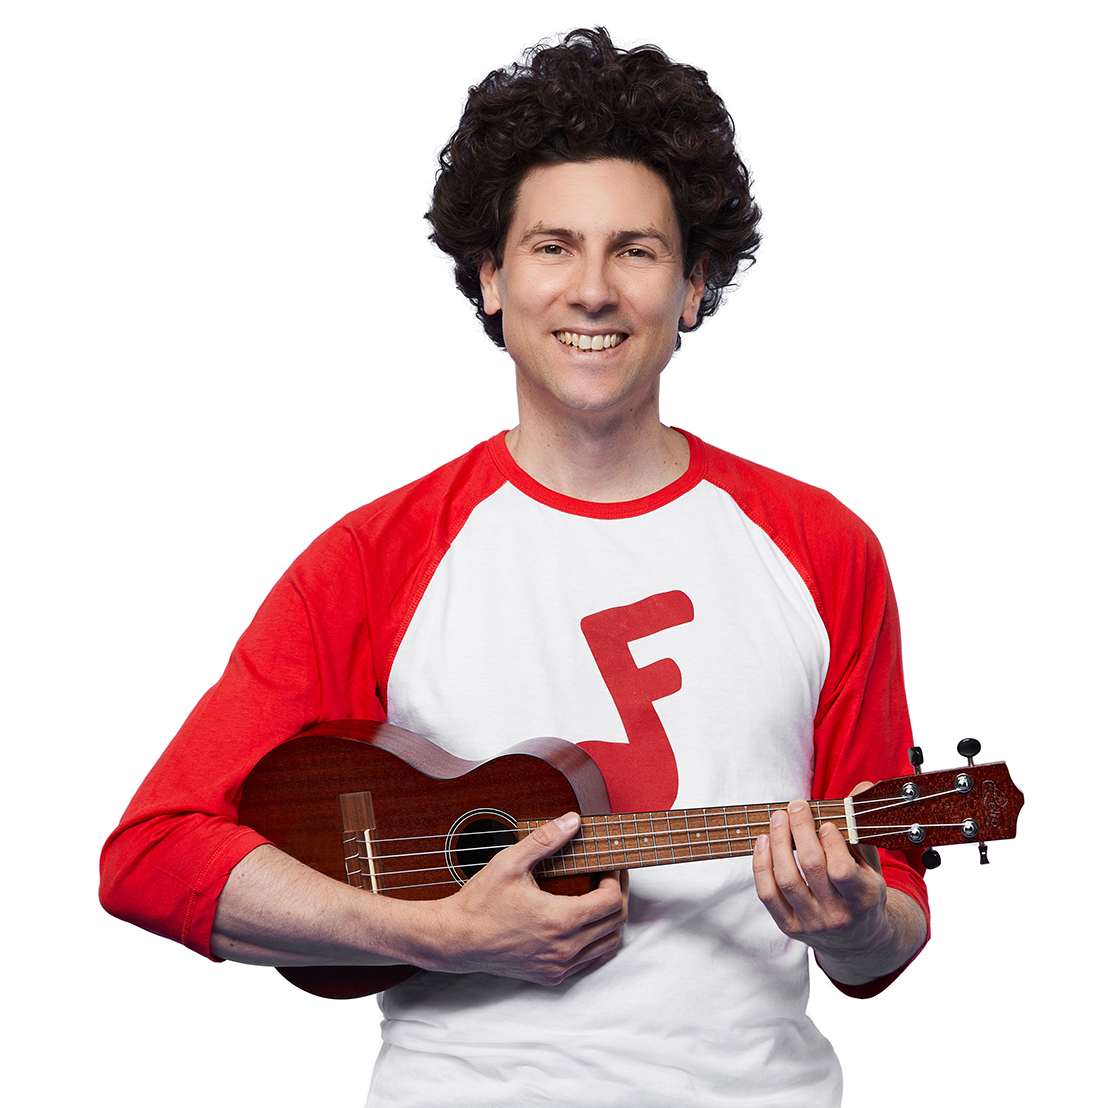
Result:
{"points": [[358, 825]]}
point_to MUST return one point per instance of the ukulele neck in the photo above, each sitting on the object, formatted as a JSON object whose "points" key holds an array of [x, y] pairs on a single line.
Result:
{"points": [[634, 840]]}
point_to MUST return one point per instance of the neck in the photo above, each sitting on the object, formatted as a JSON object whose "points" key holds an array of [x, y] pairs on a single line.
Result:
{"points": [[635, 839], [604, 461]]}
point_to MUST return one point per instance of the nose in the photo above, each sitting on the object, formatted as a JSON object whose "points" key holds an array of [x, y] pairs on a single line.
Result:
{"points": [[593, 287]]}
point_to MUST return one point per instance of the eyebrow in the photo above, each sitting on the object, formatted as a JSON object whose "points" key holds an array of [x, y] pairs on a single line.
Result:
{"points": [[614, 239]]}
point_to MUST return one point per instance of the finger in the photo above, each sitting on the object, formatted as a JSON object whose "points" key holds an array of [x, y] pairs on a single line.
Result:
{"points": [[614, 883], [849, 871], [607, 903], [776, 877], [867, 856], [810, 849], [602, 936], [766, 886], [842, 864], [597, 952], [786, 871]]}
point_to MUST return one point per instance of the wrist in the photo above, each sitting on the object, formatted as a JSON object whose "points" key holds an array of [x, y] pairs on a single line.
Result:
{"points": [[401, 931], [896, 935]]}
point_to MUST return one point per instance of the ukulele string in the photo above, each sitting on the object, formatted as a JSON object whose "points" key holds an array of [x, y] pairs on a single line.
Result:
{"points": [[893, 829], [617, 835], [693, 824], [585, 852], [870, 807]]}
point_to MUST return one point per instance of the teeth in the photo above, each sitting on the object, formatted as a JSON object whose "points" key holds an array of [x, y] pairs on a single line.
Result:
{"points": [[589, 342]]}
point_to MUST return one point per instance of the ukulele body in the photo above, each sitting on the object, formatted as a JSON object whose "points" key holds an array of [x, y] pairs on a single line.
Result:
{"points": [[436, 818]]}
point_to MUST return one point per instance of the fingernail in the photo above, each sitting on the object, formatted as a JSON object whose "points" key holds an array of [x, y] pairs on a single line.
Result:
{"points": [[797, 805], [778, 818], [761, 843], [569, 821]]}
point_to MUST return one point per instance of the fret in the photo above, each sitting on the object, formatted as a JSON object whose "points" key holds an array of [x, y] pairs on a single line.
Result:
{"points": [[620, 843], [637, 842], [588, 837], [715, 823], [760, 825], [705, 839], [670, 839], [613, 837], [656, 838], [831, 811], [686, 846], [693, 840], [694, 835]]}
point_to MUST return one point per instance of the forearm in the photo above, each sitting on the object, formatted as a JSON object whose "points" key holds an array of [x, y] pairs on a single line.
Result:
{"points": [[275, 911], [897, 935]]}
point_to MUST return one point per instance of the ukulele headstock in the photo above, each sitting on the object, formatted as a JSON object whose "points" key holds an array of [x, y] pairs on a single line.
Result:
{"points": [[976, 804]]}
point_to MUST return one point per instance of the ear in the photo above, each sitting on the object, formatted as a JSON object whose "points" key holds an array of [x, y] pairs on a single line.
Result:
{"points": [[490, 284], [694, 293]]}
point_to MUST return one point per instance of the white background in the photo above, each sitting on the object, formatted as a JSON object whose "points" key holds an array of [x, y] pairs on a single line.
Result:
{"points": [[224, 327]]}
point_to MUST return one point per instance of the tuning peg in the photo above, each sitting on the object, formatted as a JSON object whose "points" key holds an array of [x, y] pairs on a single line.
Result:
{"points": [[969, 749], [983, 851], [931, 859], [915, 756]]}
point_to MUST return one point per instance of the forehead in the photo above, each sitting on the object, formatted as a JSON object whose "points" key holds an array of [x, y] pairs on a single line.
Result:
{"points": [[603, 197]]}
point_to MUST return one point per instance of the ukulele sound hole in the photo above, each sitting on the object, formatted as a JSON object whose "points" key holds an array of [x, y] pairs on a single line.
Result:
{"points": [[473, 842]]}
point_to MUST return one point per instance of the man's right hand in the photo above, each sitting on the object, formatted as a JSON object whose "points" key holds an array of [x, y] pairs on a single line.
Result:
{"points": [[502, 923], [276, 911]]}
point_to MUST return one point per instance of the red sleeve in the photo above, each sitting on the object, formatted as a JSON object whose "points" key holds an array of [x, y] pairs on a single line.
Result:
{"points": [[861, 731], [306, 657], [319, 649]]}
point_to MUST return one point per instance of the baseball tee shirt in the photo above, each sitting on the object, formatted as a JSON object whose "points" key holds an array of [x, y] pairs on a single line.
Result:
{"points": [[729, 639]]}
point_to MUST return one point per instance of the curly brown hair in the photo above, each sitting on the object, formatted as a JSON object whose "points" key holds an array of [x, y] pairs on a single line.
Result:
{"points": [[581, 100]]}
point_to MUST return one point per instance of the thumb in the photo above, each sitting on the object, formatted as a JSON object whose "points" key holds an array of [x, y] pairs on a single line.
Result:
{"points": [[547, 839]]}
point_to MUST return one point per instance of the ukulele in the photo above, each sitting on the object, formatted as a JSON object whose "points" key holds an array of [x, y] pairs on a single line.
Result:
{"points": [[393, 814]]}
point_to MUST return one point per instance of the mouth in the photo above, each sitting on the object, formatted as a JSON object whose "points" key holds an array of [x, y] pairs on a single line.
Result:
{"points": [[590, 342]]}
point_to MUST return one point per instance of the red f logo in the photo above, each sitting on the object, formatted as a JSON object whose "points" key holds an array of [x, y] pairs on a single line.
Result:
{"points": [[642, 773]]}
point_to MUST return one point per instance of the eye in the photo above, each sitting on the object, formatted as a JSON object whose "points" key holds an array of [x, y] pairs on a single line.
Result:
{"points": [[552, 249], [636, 252]]}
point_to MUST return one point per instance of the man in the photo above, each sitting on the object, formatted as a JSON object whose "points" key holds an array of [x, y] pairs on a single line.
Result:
{"points": [[595, 207]]}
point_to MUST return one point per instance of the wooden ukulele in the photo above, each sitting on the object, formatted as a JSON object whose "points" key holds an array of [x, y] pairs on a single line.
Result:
{"points": [[393, 814]]}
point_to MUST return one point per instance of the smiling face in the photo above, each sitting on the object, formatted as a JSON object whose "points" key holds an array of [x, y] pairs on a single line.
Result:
{"points": [[592, 288]]}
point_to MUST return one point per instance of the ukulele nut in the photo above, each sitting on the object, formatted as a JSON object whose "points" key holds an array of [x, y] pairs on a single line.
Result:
{"points": [[963, 782], [970, 828], [909, 790], [916, 834]]}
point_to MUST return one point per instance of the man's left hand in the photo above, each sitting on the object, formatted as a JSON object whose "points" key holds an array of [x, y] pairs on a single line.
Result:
{"points": [[832, 896]]}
